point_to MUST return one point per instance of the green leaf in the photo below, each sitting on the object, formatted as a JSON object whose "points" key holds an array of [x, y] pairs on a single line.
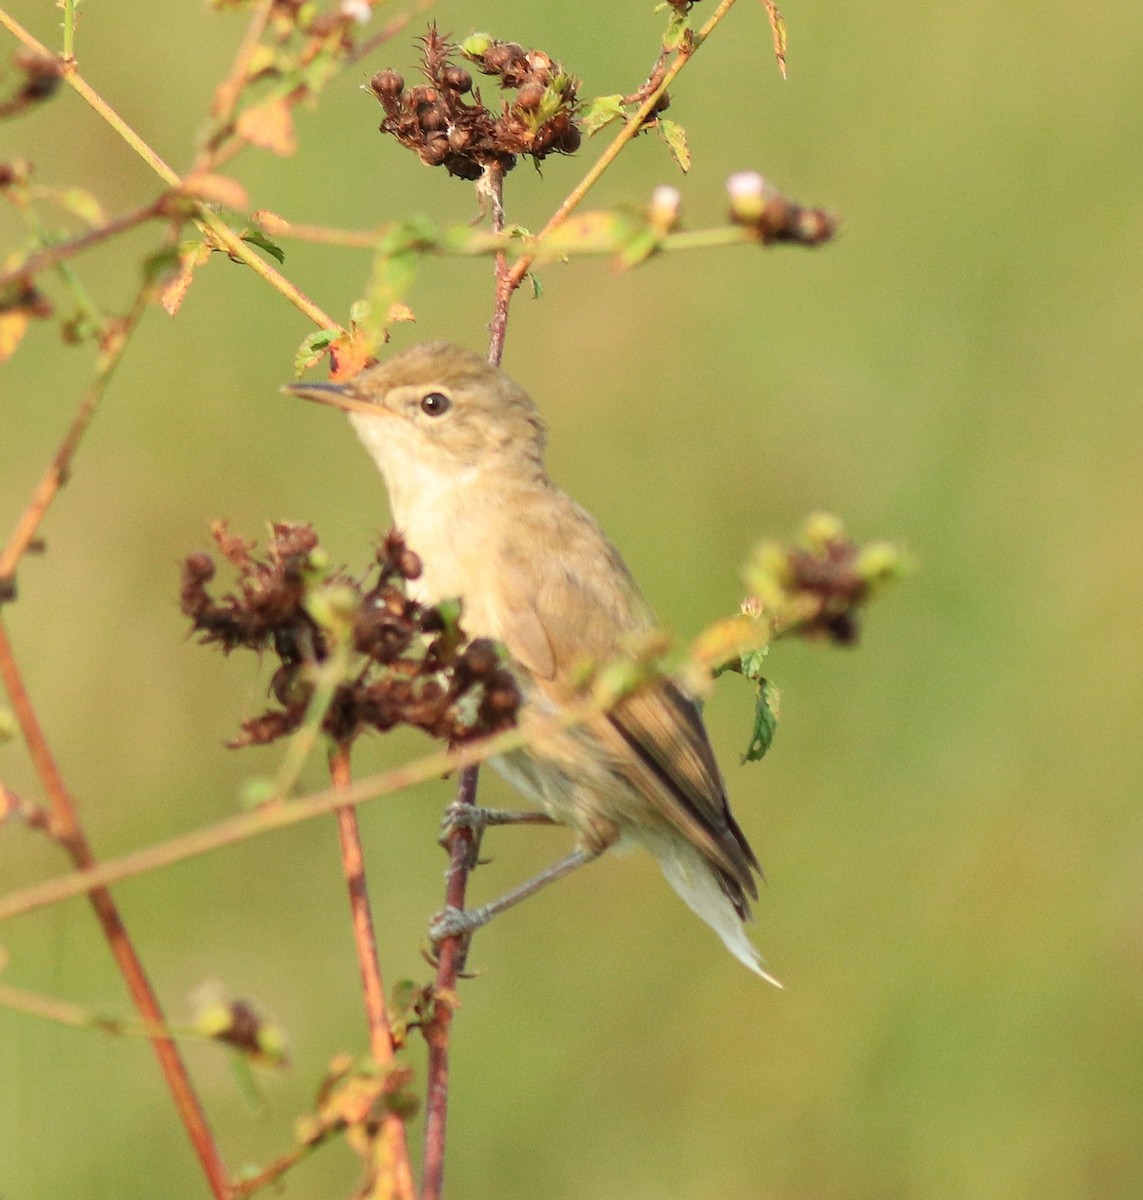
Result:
{"points": [[312, 349], [246, 1082], [257, 238], [537, 286], [639, 247], [765, 720], [81, 203], [678, 30], [601, 112], [676, 138], [158, 265], [417, 233]]}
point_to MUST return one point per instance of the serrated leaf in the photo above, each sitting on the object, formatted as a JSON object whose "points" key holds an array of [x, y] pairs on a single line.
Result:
{"points": [[313, 349], [765, 721], [600, 113], [678, 30], [399, 312], [257, 238], [191, 256], [676, 138]]}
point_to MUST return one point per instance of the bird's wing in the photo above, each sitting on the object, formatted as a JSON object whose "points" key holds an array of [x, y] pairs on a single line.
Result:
{"points": [[673, 765], [556, 618]]}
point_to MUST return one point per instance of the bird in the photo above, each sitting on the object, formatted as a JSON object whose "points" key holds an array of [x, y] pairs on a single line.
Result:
{"points": [[460, 447]]}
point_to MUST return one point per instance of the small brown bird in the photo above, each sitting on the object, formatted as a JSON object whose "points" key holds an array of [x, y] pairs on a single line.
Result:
{"points": [[461, 448]]}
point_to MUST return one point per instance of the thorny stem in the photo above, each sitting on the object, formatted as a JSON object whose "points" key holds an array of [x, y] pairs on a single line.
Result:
{"points": [[438, 1027], [71, 836], [634, 124], [114, 342], [393, 1169]]}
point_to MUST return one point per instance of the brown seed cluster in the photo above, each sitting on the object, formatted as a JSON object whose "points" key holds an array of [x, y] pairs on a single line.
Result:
{"points": [[445, 122], [774, 218], [829, 573], [414, 665]]}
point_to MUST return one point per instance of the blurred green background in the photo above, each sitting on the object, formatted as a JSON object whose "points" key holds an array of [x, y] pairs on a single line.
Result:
{"points": [[950, 816]]}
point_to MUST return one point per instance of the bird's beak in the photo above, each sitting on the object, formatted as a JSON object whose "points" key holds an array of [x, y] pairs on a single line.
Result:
{"points": [[337, 395]]}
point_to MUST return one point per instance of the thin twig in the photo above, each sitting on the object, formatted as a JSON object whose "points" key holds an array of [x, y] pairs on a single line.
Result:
{"points": [[72, 837], [437, 1028], [634, 125], [56, 474], [284, 814], [393, 1172], [227, 93], [498, 326], [50, 255], [210, 222], [272, 1172], [462, 841]]}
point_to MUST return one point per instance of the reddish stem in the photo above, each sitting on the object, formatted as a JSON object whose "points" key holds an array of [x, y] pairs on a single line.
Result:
{"points": [[393, 1175], [437, 1029], [67, 828]]}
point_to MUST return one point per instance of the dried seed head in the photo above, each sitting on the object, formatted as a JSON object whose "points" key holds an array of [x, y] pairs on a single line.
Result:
{"points": [[570, 140], [529, 96], [436, 150], [387, 84], [457, 79]]}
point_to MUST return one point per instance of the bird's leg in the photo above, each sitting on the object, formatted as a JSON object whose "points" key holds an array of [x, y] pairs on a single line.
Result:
{"points": [[455, 921], [470, 816]]}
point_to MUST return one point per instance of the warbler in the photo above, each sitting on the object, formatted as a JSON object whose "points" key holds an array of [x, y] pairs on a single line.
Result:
{"points": [[461, 449]]}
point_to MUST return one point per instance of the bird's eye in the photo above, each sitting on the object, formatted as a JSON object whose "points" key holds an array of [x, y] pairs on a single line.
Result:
{"points": [[435, 404]]}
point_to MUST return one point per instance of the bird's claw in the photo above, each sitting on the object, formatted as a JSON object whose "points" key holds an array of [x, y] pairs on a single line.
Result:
{"points": [[461, 816], [452, 922]]}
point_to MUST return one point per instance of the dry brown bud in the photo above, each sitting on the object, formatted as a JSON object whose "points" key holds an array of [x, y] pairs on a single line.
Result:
{"points": [[436, 150], [570, 140], [529, 96], [459, 138], [387, 83], [457, 79]]}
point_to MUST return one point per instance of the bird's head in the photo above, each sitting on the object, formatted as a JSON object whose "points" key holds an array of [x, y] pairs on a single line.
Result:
{"points": [[439, 408]]}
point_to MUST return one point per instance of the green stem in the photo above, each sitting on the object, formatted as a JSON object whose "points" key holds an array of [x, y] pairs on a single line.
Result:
{"points": [[70, 8]]}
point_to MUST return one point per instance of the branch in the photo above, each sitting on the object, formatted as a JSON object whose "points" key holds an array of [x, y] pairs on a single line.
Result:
{"points": [[634, 124], [393, 1170], [217, 230], [71, 835], [114, 342], [437, 1028]]}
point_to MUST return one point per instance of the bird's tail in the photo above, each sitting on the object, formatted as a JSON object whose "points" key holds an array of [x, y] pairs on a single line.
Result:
{"points": [[696, 882]]}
